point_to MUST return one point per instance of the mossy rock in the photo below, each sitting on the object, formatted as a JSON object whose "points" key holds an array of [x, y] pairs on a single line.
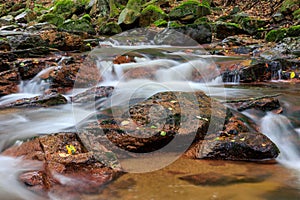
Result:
{"points": [[67, 8], [223, 29], [189, 10], [57, 20], [131, 12], [251, 26], [110, 28], [289, 6], [160, 23], [151, 14], [239, 17], [293, 31], [276, 35], [80, 25]]}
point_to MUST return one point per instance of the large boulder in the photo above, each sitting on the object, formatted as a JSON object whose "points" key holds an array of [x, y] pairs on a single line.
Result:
{"points": [[180, 119]]}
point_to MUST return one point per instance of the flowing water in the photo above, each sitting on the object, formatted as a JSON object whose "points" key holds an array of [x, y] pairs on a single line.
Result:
{"points": [[185, 178]]}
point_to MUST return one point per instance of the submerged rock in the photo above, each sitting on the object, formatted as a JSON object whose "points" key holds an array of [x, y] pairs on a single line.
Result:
{"points": [[72, 172], [38, 101]]}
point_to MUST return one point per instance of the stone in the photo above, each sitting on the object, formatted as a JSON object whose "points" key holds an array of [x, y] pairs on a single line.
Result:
{"points": [[26, 41], [26, 16], [9, 81], [6, 20], [223, 29], [62, 173], [246, 146], [110, 28], [189, 35], [151, 14], [62, 40], [38, 101], [189, 11], [151, 124]]}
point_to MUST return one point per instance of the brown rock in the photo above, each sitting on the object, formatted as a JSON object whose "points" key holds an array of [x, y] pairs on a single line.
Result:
{"points": [[63, 172]]}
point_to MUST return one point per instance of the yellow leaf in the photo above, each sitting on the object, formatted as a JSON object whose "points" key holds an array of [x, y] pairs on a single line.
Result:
{"points": [[292, 75], [242, 139], [71, 149]]}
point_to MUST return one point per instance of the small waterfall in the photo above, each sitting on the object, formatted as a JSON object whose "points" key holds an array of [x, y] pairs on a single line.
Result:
{"points": [[35, 85], [231, 76], [276, 70], [280, 130]]}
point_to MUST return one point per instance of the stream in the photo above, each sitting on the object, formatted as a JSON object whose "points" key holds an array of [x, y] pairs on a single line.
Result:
{"points": [[182, 178]]}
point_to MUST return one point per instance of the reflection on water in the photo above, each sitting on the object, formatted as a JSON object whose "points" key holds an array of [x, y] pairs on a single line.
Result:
{"points": [[207, 180]]}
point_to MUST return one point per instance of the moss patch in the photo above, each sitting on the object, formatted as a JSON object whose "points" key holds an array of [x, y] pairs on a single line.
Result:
{"points": [[80, 25], [276, 35], [289, 6], [293, 31], [189, 10], [160, 23], [151, 14], [52, 19]]}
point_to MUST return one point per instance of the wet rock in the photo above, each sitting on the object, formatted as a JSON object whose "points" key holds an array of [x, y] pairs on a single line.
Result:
{"points": [[185, 36], [62, 40], [265, 104], [9, 81], [244, 146], [6, 59], [151, 124], [257, 72], [38, 101], [93, 94], [26, 41], [29, 68], [64, 172]]}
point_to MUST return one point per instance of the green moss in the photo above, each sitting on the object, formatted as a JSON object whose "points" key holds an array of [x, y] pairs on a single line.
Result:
{"points": [[52, 19], [174, 24], [276, 35], [191, 9], [289, 5], [80, 25], [131, 12], [151, 14], [201, 20], [293, 31], [86, 17], [110, 28], [63, 6], [296, 14], [160, 23]]}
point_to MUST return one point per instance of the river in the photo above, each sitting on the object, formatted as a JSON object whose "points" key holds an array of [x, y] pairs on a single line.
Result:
{"points": [[183, 178]]}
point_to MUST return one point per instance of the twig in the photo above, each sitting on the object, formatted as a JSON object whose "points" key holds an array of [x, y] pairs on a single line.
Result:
{"points": [[250, 99]]}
